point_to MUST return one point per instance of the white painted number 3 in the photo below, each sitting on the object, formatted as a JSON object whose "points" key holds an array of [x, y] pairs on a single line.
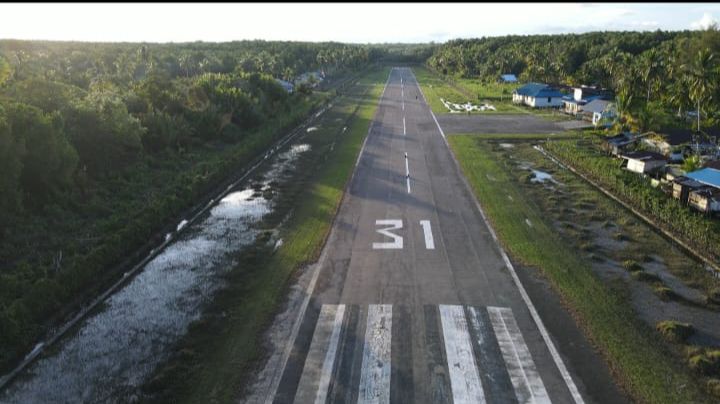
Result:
{"points": [[397, 243], [392, 224]]}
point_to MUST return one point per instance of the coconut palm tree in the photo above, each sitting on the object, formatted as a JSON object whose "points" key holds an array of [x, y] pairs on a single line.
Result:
{"points": [[702, 74]]}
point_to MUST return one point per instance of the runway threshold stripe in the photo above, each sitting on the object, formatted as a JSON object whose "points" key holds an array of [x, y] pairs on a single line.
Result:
{"points": [[375, 370], [463, 370], [529, 387], [315, 378]]}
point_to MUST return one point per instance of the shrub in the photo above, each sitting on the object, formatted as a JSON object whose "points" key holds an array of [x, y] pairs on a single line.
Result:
{"points": [[632, 265], [714, 295], [675, 331], [706, 362], [713, 386], [664, 292]]}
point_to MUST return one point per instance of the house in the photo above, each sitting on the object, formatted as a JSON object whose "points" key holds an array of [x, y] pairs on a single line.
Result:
{"points": [[286, 85], [581, 96], [643, 162], [538, 95], [508, 78], [682, 186], [712, 164], [599, 110], [671, 142], [706, 200], [617, 144]]}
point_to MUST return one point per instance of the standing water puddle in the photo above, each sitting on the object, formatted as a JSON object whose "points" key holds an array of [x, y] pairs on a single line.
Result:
{"points": [[114, 350]]}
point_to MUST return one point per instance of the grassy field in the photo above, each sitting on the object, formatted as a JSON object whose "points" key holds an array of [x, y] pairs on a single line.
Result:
{"points": [[463, 90], [226, 344], [637, 356]]}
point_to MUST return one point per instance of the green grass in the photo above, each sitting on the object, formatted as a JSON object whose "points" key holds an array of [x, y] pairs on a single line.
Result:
{"points": [[638, 356], [221, 350]]}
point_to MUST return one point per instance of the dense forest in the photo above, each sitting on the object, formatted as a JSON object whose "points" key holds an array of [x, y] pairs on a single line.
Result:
{"points": [[655, 75], [101, 144]]}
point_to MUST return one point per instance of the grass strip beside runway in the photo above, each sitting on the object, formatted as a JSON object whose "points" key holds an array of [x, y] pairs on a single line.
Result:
{"points": [[639, 360], [215, 360]]}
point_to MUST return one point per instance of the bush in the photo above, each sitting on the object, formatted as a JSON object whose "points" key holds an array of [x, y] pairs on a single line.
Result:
{"points": [[714, 296], [664, 292], [713, 386], [632, 265], [675, 331], [705, 362]]}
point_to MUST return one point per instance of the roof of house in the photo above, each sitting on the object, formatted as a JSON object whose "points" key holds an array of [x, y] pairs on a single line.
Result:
{"points": [[712, 164], [712, 193], [596, 105], [621, 139], [643, 156], [708, 176], [678, 136], [688, 182], [508, 77], [538, 90]]}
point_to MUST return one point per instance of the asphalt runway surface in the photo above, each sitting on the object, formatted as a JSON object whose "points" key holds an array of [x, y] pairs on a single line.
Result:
{"points": [[497, 123], [414, 302]]}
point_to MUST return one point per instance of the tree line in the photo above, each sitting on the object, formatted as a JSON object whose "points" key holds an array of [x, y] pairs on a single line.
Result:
{"points": [[657, 76], [85, 129]]}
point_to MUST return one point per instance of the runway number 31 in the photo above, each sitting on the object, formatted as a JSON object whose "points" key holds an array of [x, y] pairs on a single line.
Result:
{"points": [[388, 225]]}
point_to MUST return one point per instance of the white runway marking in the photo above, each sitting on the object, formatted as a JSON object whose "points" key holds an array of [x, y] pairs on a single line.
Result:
{"points": [[404, 131], [464, 377], [529, 387], [375, 371], [397, 242], [407, 173], [329, 363], [315, 378], [427, 230]]}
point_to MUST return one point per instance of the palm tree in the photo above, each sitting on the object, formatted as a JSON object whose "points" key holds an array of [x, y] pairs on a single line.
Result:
{"points": [[650, 69], [701, 74]]}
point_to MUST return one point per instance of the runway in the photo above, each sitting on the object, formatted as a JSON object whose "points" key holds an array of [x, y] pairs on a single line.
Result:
{"points": [[413, 300]]}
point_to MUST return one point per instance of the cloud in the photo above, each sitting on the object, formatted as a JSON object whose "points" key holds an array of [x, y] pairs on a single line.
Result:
{"points": [[705, 22]]}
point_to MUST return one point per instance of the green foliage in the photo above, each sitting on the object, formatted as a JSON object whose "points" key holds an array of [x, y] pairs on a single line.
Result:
{"points": [[102, 144], [691, 163]]}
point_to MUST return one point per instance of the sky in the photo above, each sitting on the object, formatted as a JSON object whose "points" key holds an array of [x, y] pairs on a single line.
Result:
{"points": [[353, 23]]}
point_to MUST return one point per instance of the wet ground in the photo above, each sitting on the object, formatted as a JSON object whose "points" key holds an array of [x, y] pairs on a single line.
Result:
{"points": [[609, 237], [110, 353]]}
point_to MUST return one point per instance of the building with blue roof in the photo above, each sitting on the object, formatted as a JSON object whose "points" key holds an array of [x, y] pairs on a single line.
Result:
{"points": [[508, 78], [705, 199], [708, 176], [538, 95]]}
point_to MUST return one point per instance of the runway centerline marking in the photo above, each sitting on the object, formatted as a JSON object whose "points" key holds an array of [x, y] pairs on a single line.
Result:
{"points": [[404, 131], [407, 172]]}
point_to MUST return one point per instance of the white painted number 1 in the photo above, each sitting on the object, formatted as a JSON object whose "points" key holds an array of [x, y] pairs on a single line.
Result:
{"points": [[429, 242], [397, 242]]}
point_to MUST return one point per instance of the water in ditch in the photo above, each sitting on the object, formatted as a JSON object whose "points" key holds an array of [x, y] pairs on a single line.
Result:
{"points": [[111, 352]]}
